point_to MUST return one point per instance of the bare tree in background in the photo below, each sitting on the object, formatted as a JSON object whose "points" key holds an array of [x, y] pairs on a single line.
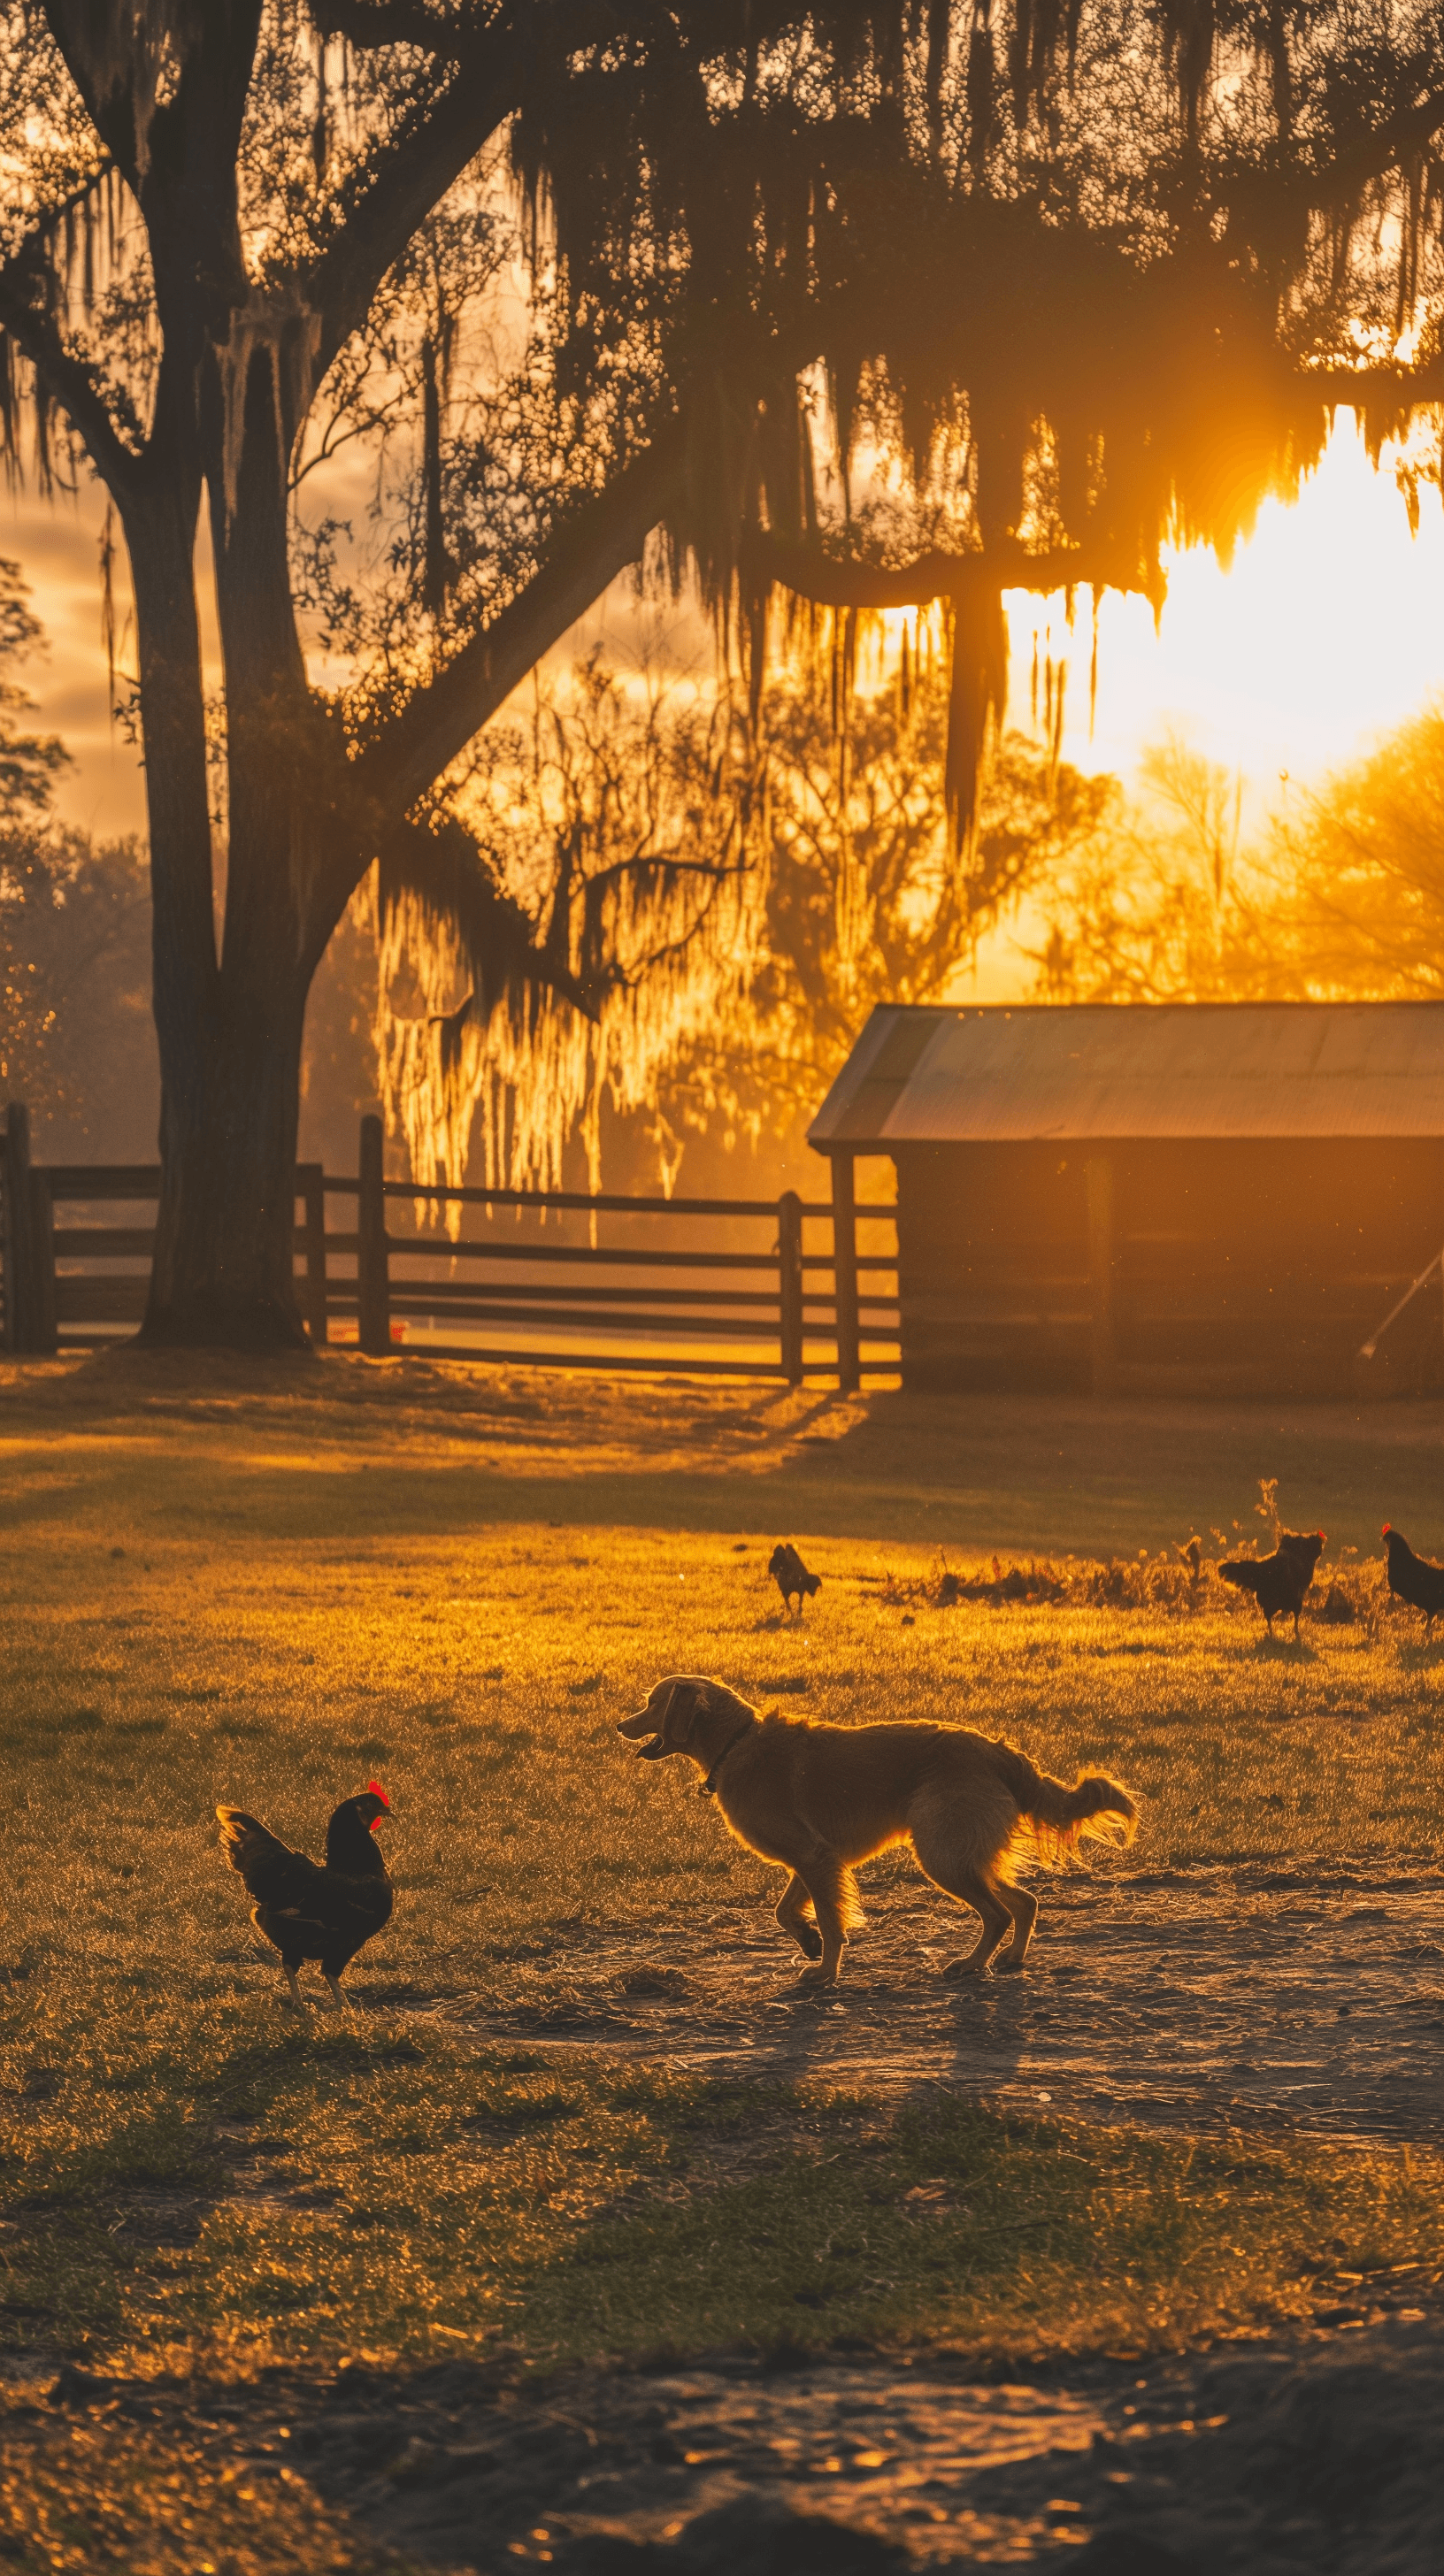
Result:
{"points": [[74, 917], [1073, 281], [1338, 894], [1158, 901]]}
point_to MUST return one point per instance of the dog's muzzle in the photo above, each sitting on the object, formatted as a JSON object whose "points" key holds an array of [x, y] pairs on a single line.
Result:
{"points": [[643, 1723]]}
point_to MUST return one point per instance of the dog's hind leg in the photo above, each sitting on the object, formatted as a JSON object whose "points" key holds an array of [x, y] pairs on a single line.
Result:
{"points": [[997, 1924], [970, 1887], [1024, 1911], [960, 1852], [792, 1914]]}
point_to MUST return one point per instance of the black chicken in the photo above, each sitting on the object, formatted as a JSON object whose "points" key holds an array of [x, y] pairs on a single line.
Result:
{"points": [[309, 1912], [791, 1576], [1413, 1578], [1279, 1582]]}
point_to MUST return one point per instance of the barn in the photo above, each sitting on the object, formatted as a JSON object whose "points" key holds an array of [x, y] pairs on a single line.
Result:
{"points": [[1194, 1198]]}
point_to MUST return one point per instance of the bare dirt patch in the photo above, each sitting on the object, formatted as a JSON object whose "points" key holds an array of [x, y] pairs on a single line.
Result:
{"points": [[1319, 2455], [1196, 1998]]}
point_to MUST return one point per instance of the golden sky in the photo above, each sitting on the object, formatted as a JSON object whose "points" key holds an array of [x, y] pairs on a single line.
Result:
{"points": [[1328, 628]]}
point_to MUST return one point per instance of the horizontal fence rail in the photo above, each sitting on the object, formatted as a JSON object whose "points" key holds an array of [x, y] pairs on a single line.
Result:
{"points": [[764, 1288]]}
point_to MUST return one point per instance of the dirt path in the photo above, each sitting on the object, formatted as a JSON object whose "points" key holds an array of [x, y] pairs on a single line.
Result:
{"points": [[1319, 2457], [1201, 1999]]}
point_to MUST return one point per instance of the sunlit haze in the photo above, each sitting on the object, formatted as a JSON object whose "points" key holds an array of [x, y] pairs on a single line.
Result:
{"points": [[1327, 629]]}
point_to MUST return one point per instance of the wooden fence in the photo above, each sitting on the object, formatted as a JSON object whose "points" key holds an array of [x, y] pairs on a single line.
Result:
{"points": [[570, 1280]]}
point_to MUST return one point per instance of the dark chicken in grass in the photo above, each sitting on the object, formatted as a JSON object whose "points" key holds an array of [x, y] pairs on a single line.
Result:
{"points": [[1413, 1578], [791, 1576], [308, 1911], [1278, 1582]]}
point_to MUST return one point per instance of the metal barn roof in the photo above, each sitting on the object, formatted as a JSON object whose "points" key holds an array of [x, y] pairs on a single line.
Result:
{"points": [[1058, 1071]]}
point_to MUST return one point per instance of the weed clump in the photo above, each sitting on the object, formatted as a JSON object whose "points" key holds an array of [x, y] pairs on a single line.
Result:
{"points": [[1180, 1581]]}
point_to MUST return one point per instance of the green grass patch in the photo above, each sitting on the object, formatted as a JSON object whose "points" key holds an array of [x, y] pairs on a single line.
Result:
{"points": [[388, 2196]]}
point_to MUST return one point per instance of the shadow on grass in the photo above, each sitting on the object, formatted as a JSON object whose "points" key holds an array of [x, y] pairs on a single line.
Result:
{"points": [[993, 1472]]}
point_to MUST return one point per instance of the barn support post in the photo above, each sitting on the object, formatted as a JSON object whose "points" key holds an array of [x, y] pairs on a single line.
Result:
{"points": [[44, 1330], [19, 1231], [1098, 1174], [310, 1186], [373, 1276], [789, 1285], [844, 1275]]}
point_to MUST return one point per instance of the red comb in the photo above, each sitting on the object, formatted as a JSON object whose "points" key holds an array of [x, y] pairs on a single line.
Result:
{"points": [[378, 1792], [1388, 1530]]}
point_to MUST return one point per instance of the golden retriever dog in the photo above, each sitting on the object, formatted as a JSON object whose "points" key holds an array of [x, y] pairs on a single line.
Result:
{"points": [[816, 1800]]}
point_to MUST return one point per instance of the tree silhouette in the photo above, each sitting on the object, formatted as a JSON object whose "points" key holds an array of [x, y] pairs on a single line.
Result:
{"points": [[862, 305]]}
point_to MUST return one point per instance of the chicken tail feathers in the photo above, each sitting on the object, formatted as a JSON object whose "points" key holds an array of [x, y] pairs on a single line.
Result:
{"points": [[252, 1850], [1242, 1574], [235, 1826]]}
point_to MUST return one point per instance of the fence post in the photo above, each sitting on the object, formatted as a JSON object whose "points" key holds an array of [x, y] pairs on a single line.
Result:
{"points": [[19, 1231], [373, 1280], [789, 1284], [310, 1186], [43, 1329], [1098, 1177], [844, 1274]]}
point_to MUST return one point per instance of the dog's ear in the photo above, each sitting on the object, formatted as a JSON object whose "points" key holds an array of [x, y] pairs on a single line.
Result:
{"points": [[688, 1699]]}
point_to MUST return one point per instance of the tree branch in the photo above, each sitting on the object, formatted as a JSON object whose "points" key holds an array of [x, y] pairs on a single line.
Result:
{"points": [[67, 380], [1398, 387], [443, 717], [833, 583], [446, 870], [371, 24], [1374, 153], [424, 162]]}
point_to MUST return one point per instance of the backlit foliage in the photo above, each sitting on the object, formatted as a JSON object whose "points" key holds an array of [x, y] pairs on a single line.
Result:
{"points": [[866, 901], [1337, 894], [630, 819]]}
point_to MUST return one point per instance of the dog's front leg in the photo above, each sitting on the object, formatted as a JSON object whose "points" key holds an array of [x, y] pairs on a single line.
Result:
{"points": [[792, 1913], [826, 1882]]}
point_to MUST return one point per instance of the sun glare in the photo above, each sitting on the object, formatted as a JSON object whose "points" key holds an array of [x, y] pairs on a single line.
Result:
{"points": [[1327, 629]]}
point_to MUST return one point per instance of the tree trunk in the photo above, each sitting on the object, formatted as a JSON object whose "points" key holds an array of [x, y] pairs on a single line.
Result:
{"points": [[229, 1031], [222, 1274]]}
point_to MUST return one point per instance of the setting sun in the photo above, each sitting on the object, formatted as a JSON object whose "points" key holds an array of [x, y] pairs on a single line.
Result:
{"points": [[1327, 628]]}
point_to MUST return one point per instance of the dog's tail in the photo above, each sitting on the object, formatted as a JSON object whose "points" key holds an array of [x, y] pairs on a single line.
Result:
{"points": [[1055, 1818]]}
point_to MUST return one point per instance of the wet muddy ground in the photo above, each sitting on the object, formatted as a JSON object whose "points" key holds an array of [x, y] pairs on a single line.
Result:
{"points": [[1320, 2454]]}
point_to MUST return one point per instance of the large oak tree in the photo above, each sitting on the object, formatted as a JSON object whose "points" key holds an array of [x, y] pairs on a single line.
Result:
{"points": [[861, 305]]}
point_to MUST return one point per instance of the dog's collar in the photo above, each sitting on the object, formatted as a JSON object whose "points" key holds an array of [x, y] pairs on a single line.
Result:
{"points": [[709, 1785]]}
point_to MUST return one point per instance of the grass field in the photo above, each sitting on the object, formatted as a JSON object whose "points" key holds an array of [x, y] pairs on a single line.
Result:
{"points": [[265, 1587]]}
